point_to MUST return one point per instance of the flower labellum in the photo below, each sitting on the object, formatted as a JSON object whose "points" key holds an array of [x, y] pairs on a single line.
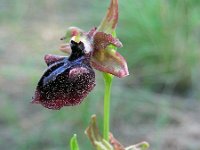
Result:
{"points": [[67, 80]]}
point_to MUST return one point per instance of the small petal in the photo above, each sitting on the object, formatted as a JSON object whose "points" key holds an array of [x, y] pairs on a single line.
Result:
{"points": [[50, 59], [65, 48], [110, 61]]}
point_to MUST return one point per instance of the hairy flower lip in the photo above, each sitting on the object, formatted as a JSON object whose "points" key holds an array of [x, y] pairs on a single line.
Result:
{"points": [[67, 80]]}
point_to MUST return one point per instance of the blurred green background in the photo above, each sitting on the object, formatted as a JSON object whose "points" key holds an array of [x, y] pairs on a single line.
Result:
{"points": [[158, 102]]}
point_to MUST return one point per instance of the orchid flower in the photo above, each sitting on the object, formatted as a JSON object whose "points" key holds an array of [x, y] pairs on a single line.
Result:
{"points": [[68, 80]]}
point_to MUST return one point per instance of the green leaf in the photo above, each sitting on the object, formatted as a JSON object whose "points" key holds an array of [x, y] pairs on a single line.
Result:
{"points": [[74, 143]]}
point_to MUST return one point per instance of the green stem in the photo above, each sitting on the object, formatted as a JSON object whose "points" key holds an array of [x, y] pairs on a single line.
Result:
{"points": [[108, 83]]}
